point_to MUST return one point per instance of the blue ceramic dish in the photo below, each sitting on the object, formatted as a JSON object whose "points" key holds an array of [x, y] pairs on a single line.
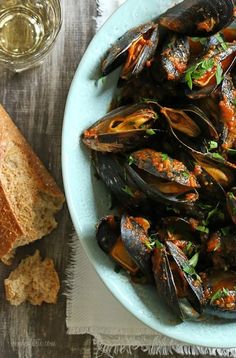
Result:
{"points": [[88, 199]]}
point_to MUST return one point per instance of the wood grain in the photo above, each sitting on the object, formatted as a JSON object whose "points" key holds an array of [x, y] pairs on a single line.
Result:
{"points": [[35, 100]]}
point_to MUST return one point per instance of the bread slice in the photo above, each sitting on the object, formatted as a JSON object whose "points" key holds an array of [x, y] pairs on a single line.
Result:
{"points": [[33, 280], [29, 196]]}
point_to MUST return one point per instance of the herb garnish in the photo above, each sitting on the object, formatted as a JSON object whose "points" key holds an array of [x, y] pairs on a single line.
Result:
{"points": [[164, 156], [212, 145], [217, 156], [190, 270], [203, 40], [198, 70], [202, 228], [221, 293], [130, 160], [225, 230], [219, 74], [150, 132], [194, 260], [221, 41], [128, 191]]}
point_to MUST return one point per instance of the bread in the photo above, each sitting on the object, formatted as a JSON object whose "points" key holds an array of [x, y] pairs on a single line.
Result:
{"points": [[29, 196], [33, 280]]}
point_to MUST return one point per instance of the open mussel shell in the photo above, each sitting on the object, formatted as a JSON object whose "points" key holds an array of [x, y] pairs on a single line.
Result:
{"points": [[111, 170], [220, 293], [208, 82], [175, 56], [133, 49], [223, 172], [121, 129], [190, 127], [162, 178], [200, 18], [194, 293], [164, 280], [134, 235], [181, 292], [109, 239]]}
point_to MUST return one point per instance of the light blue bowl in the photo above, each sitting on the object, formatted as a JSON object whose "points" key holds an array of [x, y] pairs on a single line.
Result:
{"points": [[87, 198]]}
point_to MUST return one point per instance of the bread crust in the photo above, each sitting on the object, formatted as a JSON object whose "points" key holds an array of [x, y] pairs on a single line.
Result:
{"points": [[11, 230]]}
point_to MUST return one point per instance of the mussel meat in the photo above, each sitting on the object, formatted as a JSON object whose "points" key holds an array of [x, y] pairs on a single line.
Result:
{"points": [[121, 129], [134, 49]]}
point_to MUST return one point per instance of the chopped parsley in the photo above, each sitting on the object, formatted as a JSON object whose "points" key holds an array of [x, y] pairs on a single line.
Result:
{"points": [[128, 191], [212, 145], [188, 248], [219, 74], [223, 44], [203, 40], [130, 160], [150, 244], [232, 151], [202, 228], [217, 156], [221, 293], [190, 270], [185, 174], [150, 132], [198, 70], [194, 260], [164, 156]]}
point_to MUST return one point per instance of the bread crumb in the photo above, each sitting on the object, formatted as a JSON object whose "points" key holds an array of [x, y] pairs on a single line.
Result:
{"points": [[34, 280]]}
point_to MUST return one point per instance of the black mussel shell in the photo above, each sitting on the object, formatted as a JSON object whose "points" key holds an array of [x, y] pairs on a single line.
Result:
{"points": [[200, 18], [175, 56], [108, 236], [108, 231], [190, 127], [228, 115], [220, 62], [134, 235], [220, 294], [169, 191], [223, 172], [139, 42], [195, 292], [163, 166], [112, 171], [120, 130], [164, 280]]}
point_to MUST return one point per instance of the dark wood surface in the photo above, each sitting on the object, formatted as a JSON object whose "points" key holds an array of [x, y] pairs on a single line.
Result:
{"points": [[35, 100]]}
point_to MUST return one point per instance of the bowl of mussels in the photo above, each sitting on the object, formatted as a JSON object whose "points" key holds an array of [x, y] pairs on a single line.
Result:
{"points": [[149, 164]]}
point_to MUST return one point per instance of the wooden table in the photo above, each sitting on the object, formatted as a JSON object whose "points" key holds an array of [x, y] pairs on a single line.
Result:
{"points": [[36, 99]]}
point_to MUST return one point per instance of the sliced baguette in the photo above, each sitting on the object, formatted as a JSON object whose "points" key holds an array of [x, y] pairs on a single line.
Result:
{"points": [[29, 196], [33, 280]]}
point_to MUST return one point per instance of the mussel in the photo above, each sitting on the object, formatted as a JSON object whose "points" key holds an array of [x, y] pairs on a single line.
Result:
{"points": [[109, 239], [208, 71], [177, 281], [175, 56], [134, 233], [190, 127], [200, 18], [122, 129], [162, 178], [220, 293], [112, 171], [134, 49], [228, 113]]}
